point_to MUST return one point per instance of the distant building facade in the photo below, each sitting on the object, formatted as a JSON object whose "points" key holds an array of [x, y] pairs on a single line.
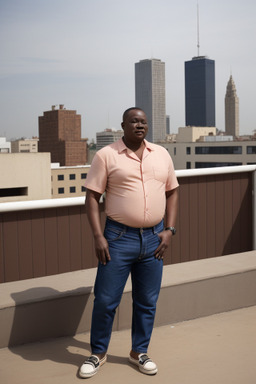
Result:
{"points": [[210, 151], [60, 134], [24, 146], [5, 146], [68, 181], [200, 92], [108, 136], [192, 134], [231, 109], [150, 96], [25, 176]]}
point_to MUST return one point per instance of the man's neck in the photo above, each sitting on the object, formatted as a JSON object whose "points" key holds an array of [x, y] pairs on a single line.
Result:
{"points": [[133, 146]]}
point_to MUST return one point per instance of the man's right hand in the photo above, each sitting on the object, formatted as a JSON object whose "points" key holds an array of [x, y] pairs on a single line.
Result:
{"points": [[101, 249]]}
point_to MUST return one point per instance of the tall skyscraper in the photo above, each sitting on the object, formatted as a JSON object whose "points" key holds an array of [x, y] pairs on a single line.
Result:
{"points": [[60, 134], [150, 96], [231, 109], [200, 92]]}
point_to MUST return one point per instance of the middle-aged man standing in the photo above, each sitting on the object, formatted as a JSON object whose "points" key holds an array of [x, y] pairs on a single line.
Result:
{"points": [[140, 185]]}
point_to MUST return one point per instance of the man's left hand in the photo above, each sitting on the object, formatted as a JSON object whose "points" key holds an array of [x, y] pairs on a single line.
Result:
{"points": [[165, 237]]}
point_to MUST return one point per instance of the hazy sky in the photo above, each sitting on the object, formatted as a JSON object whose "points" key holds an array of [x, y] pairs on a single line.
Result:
{"points": [[81, 53]]}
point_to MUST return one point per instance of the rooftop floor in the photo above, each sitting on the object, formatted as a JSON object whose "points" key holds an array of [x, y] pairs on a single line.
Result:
{"points": [[219, 349]]}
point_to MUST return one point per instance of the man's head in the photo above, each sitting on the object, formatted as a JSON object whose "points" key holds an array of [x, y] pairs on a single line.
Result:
{"points": [[125, 114], [134, 124]]}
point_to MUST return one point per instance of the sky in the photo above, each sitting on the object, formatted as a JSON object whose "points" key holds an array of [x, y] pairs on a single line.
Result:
{"points": [[81, 53]]}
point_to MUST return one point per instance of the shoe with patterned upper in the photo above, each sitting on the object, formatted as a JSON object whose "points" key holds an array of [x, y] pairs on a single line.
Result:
{"points": [[91, 366], [145, 364]]}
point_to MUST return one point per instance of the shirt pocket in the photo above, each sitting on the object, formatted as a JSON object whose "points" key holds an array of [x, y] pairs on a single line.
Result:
{"points": [[160, 173]]}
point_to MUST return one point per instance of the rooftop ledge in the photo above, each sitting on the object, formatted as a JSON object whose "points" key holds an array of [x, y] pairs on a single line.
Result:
{"points": [[36, 309], [73, 201], [80, 282]]}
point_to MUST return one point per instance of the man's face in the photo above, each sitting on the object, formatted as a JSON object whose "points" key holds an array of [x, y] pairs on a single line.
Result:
{"points": [[135, 126]]}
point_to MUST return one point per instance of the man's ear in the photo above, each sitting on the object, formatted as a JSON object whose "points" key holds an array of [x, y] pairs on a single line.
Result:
{"points": [[122, 125]]}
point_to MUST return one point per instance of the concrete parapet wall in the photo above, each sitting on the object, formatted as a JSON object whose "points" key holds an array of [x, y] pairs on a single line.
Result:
{"points": [[61, 305]]}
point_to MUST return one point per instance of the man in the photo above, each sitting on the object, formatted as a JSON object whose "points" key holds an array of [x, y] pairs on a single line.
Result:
{"points": [[141, 186]]}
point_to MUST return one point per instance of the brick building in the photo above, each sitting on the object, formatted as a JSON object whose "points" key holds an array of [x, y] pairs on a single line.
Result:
{"points": [[60, 134]]}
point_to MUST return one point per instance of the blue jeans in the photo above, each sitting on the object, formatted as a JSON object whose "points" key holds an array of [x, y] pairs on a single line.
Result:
{"points": [[131, 251]]}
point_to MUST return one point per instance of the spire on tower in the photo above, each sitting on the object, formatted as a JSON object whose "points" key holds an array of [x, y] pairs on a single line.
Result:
{"points": [[198, 43]]}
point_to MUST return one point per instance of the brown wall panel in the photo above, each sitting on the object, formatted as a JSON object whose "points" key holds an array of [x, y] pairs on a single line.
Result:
{"points": [[11, 247], [184, 220], [51, 249], [75, 238], [228, 214], [202, 213], [25, 245], [214, 219], [193, 219], [174, 251], [87, 242], [246, 212], [211, 217], [63, 240], [236, 209], [220, 209], [38, 243]]}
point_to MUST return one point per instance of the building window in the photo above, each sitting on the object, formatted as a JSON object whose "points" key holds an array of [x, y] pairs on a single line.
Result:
{"points": [[72, 189], [232, 150], [83, 189], [18, 191], [251, 150], [199, 164], [83, 175], [188, 165], [72, 176], [174, 151], [188, 150], [60, 190], [60, 177]]}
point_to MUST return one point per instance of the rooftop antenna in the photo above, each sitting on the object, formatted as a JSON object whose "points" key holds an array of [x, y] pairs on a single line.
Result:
{"points": [[198, 44]]}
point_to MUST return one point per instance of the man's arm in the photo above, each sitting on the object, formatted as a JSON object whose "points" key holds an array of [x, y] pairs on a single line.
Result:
{"points": [[93, 212], [172, 198]]}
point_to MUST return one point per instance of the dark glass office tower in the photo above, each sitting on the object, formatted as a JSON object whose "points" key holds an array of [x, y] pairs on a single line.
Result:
{"points": [[200, 92]]}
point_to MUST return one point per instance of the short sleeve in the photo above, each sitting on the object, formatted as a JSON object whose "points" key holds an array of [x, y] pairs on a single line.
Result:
{"points": [[172, 181], [97, 175]]}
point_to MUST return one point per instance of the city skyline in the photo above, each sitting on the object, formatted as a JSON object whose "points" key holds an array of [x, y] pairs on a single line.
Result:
{"points": [[82, 55]]}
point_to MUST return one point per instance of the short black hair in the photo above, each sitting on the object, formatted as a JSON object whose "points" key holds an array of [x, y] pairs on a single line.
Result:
{"points": [[130, 109]]}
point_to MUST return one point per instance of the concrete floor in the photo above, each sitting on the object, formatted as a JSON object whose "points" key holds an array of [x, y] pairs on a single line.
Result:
{"points": [[219, 349]]}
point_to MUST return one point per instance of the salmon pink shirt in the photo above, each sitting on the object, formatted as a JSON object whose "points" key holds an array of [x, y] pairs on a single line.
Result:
{"points": [[135, 189]]}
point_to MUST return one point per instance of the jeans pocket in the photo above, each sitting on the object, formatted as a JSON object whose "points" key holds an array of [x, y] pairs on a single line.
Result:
{"points": [[158, 230], [113, 234]]}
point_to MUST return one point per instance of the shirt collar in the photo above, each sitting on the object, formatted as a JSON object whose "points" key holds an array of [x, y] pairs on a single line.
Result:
{"points": [[122, 147]]}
